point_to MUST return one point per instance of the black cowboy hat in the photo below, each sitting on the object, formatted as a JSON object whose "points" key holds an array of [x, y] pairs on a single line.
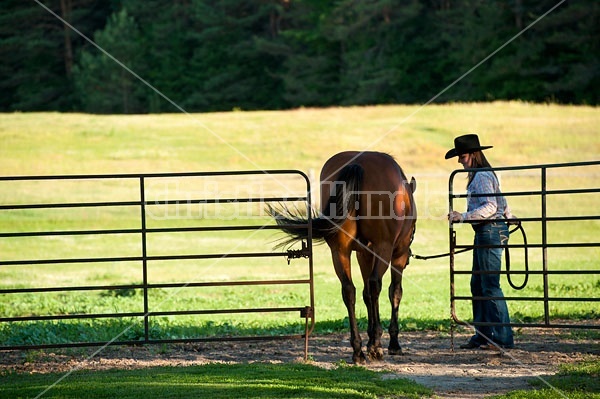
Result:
{"points": [[465, 145]]}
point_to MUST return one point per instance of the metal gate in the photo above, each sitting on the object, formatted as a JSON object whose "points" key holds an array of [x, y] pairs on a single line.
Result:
{"points": [[62, 236], [549, 197]]}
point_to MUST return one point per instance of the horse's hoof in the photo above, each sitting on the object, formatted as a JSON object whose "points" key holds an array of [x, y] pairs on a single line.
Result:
{"points": [[359, 358], [375, 354], [395, 352]]}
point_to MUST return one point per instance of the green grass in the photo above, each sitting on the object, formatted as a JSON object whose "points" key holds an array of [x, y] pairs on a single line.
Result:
{"points": [[574, 381], [256, 380], [53, 143]]}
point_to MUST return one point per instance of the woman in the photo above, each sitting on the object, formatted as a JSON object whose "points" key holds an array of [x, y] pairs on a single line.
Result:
{"points": [[470, 156]]}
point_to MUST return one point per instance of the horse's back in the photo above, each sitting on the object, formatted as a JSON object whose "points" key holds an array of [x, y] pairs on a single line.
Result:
{"points": [[373, 163], [386, 208]]}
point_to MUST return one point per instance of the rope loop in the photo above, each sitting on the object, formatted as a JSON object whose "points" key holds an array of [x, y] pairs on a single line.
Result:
{"points": [[507, 256]]}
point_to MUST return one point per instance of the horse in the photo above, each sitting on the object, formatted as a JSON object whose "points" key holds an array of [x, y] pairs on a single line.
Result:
{"points": [[367, 206]]}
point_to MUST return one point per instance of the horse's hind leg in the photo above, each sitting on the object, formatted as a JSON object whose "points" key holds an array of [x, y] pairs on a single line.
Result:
{"points": [[374, 264], [395, 294], [365, 260], [341, 262]]}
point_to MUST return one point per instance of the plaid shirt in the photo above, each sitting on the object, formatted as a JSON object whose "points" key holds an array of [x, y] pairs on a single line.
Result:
{"points": [[493, 207]]}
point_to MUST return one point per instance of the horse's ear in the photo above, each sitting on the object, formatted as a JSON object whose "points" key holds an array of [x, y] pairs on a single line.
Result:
{"points": [[413, 184]]}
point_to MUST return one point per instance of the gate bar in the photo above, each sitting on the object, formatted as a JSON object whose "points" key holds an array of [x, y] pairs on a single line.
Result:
{"points": [[544, 245], [305, 311]]}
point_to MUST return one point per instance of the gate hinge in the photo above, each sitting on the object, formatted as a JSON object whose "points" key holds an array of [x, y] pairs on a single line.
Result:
{"points": [[298, 253], [306, 313]]}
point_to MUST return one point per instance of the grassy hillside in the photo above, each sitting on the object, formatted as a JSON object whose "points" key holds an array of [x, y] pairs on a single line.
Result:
{"points": [[52, 143]]}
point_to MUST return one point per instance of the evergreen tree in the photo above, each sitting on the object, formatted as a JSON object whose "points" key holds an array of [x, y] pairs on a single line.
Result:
{"points": [[308, 61], [103, 85], [270, 54], [165, 29], [227, 71], [37, 50], [569, 63], [379, 39]]}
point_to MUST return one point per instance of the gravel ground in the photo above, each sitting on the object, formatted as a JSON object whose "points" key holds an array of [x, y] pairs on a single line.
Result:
{"points": [[428, 359]]}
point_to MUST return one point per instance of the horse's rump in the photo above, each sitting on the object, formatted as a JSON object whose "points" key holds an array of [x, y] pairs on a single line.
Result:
{"points": [[370, 189]]}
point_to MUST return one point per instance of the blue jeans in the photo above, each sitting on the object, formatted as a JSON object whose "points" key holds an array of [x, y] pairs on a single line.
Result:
{"points": [[488, 285]]}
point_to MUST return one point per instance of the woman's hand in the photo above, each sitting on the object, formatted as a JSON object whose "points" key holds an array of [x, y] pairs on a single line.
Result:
{"points": [[455, 216], [513, 221]]}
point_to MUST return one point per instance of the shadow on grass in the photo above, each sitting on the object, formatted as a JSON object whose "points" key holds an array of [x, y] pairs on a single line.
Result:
{"points": [[257, 380], [132, 330], [575, 381]]}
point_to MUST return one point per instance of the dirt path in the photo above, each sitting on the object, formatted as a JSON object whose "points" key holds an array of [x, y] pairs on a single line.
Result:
{"points": [[428, 359]]}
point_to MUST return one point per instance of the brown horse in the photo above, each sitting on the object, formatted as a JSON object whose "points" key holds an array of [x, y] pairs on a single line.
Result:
{"points": [[367, 206]]}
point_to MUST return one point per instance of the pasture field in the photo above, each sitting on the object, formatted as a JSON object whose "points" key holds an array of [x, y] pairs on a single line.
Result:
{"points": [[76, 144]]}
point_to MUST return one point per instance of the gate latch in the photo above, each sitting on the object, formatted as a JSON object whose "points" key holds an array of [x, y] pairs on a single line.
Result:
{"points": [[298, 253]]}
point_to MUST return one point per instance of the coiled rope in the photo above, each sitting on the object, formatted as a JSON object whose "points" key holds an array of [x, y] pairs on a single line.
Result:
{"points": [[507, 257]]}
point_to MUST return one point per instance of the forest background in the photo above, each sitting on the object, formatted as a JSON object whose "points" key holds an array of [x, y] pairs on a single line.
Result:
{"points": [[280, 54]]}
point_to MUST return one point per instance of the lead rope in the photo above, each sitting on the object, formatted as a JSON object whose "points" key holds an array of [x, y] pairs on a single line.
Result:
{"points": [[507, 256]]}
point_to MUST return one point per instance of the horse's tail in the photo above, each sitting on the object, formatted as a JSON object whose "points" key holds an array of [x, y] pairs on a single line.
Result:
{"points": [[342, 203]]}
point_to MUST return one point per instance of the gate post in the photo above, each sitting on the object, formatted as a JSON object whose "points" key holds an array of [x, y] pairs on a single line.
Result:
{"points": [[144, 257], [545, 245]]}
